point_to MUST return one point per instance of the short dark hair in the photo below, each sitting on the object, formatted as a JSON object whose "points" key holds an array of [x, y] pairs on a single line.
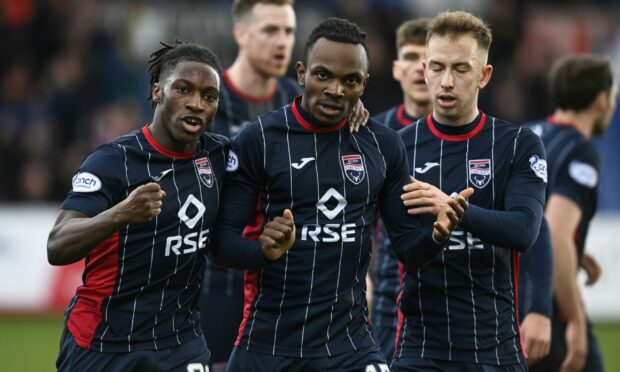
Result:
{"points": [[460, 23], [241, 8], [412, 32], [339, 30], [165, 59], [575, 80]]}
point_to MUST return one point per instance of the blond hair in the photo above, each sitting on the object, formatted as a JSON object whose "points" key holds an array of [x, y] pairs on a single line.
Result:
{"points": [[461, 23]]}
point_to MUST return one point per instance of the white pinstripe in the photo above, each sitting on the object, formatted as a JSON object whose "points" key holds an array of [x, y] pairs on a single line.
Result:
{"points": [[359, 258], [512, 295], [260, 282], [120, 278], [290, 172], [318, 196], [443, 260], [344, 213]]}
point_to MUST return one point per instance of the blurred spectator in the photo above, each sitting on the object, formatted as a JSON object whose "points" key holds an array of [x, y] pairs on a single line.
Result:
{"points": [[73, 72]]}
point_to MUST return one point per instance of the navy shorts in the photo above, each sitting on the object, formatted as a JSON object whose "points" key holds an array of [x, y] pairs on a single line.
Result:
{"points": [[220, 316], [553, 361], [369, 360], [192, 356], [425, 364]]}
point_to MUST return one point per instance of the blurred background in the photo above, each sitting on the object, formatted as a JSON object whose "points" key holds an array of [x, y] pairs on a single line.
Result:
{"points": [[73, 76]]}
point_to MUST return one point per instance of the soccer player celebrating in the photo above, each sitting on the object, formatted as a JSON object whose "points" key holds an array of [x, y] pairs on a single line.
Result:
{"points": [[264, 31], [318, 185], [407, 69], [460, 311], [140, 213], [583, 92]]}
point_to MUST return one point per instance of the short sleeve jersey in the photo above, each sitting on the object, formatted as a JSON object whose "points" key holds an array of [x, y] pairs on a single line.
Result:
{"points": [[311, 302], [141, 285], [574, 169], [463, 305]]}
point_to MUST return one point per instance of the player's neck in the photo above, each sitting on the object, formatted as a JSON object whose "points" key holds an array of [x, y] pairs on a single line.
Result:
{"points": [[415, 109], [247, 80], [456, 122], [583, 121]]}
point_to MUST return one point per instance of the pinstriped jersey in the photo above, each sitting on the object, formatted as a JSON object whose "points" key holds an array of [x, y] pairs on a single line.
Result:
{"points": [[235, 111], [311, 302], [462, 306], [385, 270], [141, 285], [574, 168]]}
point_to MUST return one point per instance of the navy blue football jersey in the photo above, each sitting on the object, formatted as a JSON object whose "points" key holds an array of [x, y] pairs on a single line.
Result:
{"points": [[462, 306], [140, 286], [385, 269], [311, 302], [574, 167], [235, 111], [395, 118]]}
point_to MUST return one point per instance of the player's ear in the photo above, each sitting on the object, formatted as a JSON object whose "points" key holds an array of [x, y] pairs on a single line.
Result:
{"points": [[156, 93], [396, 70], [301, 73], [487, 71], [239, 33]]}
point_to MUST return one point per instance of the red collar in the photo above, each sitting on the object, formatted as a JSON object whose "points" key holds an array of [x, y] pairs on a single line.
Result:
{"points": [[245, 96], [163, 151], [311, 127], [456, 138]]}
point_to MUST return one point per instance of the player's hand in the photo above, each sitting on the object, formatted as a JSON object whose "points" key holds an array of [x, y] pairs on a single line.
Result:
{"points": [[141, 205], [576, 346], [358, 117], [278, 236], [591, 267], [422, 198], [451, 215], [536, 336]]}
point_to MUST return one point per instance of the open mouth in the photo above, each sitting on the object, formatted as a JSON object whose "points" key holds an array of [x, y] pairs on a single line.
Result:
{"points": [[446, 100], [330, 109], [279, 58], [192, 124]]}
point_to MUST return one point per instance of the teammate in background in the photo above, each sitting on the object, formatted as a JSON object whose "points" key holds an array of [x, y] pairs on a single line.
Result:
{"points": [[583, 92], [318, 185], [264, 31], [460, 311], [535, 296], [140, 213], [255, 84], [407, 69]]}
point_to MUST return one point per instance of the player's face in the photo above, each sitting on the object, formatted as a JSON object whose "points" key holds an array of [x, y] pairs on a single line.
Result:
{"points": [[186, 102], [601, 125], [455, 70], [333, 79], [267, 38], [408, 69]]}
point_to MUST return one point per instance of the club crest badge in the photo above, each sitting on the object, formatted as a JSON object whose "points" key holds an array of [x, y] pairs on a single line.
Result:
{"points": [[479, 172], [205, 172], [354, 168]]}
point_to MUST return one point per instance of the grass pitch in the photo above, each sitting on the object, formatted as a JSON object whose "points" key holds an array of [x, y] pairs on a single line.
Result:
{"points": [[30, 343]]}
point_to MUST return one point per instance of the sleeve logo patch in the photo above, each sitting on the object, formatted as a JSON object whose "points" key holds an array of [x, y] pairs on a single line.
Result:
{"points": [[86, 182], [539, 166], [233, 162], [583, 173]]}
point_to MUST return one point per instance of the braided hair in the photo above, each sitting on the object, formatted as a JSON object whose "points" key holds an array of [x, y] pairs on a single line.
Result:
{"points": [[165, 59]]}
